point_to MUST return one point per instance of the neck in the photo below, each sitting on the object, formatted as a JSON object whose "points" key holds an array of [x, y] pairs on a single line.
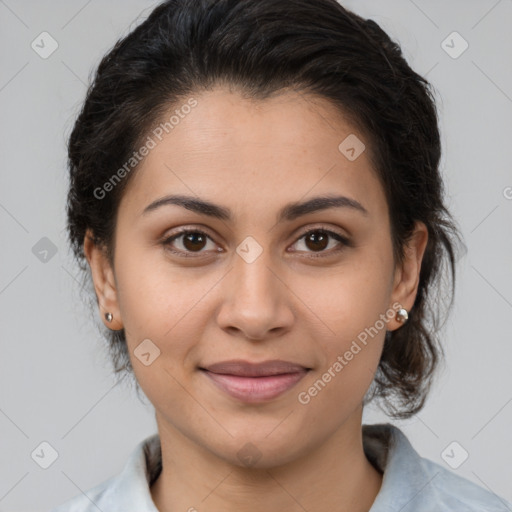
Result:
{"points": [[335, 476]]}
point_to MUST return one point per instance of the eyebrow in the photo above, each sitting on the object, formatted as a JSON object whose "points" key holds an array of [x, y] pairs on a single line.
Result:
{"points": [[289, 212]]}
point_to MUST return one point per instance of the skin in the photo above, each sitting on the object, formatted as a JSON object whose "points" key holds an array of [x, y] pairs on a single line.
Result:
{"points": [[254, 157]]}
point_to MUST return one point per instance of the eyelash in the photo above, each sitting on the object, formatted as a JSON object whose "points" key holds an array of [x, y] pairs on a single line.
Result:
{"points": [[322, 254]]}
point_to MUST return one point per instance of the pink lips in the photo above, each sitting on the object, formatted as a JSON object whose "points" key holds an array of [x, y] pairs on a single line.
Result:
{"points": [[255, 382]]}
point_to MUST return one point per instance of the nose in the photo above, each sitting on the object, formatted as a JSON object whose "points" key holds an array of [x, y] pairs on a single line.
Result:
{"points": [[256, 300]]}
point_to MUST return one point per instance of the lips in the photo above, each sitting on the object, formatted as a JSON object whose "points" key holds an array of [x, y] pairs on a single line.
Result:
{"points": [[242, 368], [254, 382]]}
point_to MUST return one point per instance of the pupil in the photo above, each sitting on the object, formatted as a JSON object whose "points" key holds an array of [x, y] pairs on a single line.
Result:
{"points": [[315, 237], [193, 238]]}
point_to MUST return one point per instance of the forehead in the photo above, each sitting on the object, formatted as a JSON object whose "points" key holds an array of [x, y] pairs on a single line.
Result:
{"points": [[250, 151]]}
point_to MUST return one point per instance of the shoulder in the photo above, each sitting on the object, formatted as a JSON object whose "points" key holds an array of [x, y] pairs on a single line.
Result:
{"points": [[129, 490], [454, 492], [90, 501], [412, 483]]}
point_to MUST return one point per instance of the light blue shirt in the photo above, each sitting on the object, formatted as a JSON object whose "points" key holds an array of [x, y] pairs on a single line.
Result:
{"points": [[410, 482]]}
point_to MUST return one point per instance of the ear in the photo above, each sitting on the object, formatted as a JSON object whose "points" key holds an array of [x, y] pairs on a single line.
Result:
{"points": [[407, 274], [104, 282]]}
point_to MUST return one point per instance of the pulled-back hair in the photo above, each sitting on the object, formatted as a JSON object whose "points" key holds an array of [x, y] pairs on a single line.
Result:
{"points": [[261, 48]]}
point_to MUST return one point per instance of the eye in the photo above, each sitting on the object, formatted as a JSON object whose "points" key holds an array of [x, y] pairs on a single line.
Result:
{"points": [[318, 240], [195, 240]]}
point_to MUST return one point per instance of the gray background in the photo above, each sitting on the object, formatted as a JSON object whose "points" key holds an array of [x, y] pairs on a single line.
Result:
{"points": [[56, 383]]}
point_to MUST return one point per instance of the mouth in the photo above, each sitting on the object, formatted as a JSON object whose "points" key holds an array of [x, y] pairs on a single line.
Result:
{"points": [[255, 382]]}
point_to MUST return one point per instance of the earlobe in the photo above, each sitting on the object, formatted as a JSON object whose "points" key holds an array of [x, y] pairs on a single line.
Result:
{"points": [[104, 282], [407, 275]]}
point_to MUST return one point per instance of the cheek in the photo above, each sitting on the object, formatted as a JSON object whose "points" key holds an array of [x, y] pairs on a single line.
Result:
{"points": [[351, 307], [152, 292], [355, 312], [164, 307], [351, 297]]}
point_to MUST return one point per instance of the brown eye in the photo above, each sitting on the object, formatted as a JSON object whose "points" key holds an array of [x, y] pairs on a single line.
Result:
{"points": [[190, 240], [194, 241], [318, 240]]}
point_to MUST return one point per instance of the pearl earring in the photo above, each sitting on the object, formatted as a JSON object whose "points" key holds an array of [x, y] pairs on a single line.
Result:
{"points": [[109, 317], [402, 315]]}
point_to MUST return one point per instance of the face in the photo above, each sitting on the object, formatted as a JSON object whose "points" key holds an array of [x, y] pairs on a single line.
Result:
{"points": [[316, 287]]}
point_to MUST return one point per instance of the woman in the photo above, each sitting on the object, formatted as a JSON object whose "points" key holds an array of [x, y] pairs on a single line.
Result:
{"points": [[256, 192]]}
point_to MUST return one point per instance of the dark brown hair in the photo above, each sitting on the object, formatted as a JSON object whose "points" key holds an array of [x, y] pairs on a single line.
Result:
{"points": [[262, 47]]}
